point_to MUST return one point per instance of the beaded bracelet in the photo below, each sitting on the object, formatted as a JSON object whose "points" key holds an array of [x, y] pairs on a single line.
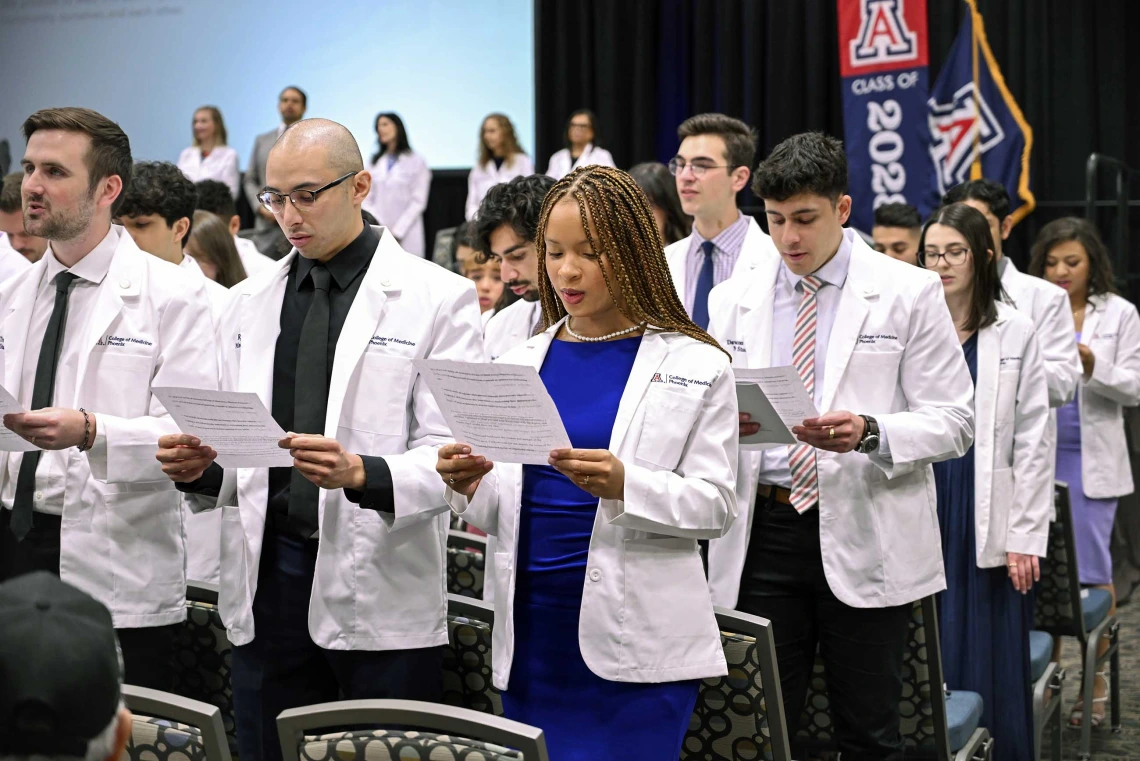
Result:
{"points": [[84, 446]]}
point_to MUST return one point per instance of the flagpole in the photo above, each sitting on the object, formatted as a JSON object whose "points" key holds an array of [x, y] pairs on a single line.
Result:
{"points": [[976, 165]]}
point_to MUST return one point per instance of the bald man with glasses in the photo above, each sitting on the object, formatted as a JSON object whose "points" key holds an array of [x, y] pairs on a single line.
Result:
{"points": [[332, 571]]}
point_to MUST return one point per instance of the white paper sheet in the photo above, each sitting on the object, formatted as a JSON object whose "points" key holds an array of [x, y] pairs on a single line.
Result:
{"points": [[775, 397], [502, 411], [234, 423], [9, 441]]}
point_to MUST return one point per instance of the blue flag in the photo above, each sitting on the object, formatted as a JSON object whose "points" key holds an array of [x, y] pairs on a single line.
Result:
{"points": [[976, 128]]}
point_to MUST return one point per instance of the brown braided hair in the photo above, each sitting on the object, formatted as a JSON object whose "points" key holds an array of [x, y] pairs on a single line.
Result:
{"points": [[627, 236]]}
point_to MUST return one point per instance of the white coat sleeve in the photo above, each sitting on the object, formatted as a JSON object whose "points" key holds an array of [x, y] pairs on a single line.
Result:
{"points": [[1032, 509], [1055, 336], [1118, 377], [697, 500], [482, 510], [416, 201], [417, 490], [939, 421], [474, 196], [231, 175], [125, 447]]}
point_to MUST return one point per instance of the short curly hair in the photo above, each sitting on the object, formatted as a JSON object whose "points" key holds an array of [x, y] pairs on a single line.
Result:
{"points": [[517, 203], [216, 198], [159, 187], [810, 162]]}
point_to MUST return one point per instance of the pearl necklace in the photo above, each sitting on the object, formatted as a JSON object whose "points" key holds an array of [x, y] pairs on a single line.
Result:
{"points": [[607, 337]]}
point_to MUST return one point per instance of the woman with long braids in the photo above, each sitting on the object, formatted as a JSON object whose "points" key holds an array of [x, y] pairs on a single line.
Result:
{"points": [[603, 619]]}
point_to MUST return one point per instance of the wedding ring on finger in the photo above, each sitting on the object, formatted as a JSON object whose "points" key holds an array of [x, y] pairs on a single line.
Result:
{"points": [[451, 481], [586, 482], [831, 433]]}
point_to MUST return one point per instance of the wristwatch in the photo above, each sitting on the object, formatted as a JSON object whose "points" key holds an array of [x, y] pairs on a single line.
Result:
{"points": [[870, 441]]}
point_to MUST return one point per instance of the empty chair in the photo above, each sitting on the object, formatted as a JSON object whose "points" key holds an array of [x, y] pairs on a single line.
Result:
{"points": [[740, 715], [384, 729], [466, 561], [467, 660], [169, 727], [202, 653], [1066, 610], [1047, 677]]}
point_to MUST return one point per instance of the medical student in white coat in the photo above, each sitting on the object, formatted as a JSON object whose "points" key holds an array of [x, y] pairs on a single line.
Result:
{"points": [[89, 503], [581, 132], [836, 539], [215, 198], [603, 619], [995, 502], [336, 590], [1092, 451], [209, 158], [500, 159], [400, 184], [712, 166]]}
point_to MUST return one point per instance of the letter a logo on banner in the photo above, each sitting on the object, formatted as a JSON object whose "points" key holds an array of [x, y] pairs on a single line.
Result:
{"points": [[883, 35]]}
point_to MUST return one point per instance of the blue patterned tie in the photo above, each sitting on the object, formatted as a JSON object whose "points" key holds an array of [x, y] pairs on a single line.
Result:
{"points": [[704, 286]]}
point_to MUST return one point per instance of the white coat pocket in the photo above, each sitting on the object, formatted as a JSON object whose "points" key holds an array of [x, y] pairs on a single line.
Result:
{"points": [[669, 419], [144, 529], [381, 404], [120, 383]]}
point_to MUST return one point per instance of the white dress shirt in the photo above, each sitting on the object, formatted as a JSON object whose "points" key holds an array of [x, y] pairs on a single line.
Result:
{"points": [[220, 165], [91, 269], [726, 251], [774, 468]]}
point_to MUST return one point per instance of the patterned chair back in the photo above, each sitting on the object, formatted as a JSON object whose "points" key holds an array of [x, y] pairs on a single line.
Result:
{"points": [[466, 557], [162, 740], [740, 715], [202, 660], [398, 745], [1058, 602], [923, 719], [467, 660]]}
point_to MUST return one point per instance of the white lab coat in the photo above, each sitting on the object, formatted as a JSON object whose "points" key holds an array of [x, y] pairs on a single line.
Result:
{"points": [[511, 327], [483, 178], [1013, 478], [380, 579], [121, 539], [757, 247], [561, 164], [220, 165], [12, 262], [646, 611], [893, 354], [398, 198], [1112, 331], [252, 260]]}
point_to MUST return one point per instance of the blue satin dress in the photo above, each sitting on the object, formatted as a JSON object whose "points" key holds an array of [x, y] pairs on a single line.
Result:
{"points": [[984, 622], [585, 717]]}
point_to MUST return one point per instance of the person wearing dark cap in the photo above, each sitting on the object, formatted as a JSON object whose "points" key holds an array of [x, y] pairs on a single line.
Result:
{"points": [[61, 674]]}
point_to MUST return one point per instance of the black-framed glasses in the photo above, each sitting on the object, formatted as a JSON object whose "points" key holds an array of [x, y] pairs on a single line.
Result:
{"points": [[677, 167], [301, 199], [953, 256]]}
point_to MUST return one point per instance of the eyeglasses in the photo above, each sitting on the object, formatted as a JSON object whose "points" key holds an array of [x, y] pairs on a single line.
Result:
{"points": [[953, 256], [677, 167], [301, 199]]}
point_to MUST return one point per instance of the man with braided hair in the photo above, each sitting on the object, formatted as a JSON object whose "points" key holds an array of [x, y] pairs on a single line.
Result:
{"points": [[504, 232]]}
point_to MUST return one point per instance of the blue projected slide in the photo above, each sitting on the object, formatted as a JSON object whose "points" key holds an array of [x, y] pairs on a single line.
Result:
{"points": [[148, 64]]}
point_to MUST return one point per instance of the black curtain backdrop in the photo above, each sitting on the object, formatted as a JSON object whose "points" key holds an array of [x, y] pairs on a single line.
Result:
{"points": [[644, 67]]}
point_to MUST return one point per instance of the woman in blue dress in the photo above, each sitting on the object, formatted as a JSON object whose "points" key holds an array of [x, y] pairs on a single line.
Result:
{"points": [[996, 501], [603, 620]]}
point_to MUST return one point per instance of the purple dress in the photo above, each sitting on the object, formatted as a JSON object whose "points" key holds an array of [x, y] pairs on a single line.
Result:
{"points": [[1092, 518]]}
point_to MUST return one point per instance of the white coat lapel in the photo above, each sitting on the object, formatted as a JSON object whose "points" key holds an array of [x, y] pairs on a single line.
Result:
{"points": [[649, 357], [381, 282], [260, 324], [755, 313], [985, 410], [16, 322], [1093, 312], [756, 248], [853, 308], [123, 281]]}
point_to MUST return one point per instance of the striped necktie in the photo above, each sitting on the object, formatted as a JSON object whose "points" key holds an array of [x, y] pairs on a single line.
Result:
{"points": [[801, 457]]}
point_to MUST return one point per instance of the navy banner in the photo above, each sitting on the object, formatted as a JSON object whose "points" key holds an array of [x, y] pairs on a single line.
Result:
{"points": [[883, 58]]}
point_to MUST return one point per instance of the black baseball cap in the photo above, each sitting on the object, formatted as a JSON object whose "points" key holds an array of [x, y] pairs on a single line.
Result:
{"points": [[60, 667]]}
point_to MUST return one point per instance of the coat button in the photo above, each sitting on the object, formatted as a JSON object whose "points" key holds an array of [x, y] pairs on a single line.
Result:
{"points": [[595, 575], [124, 283], [385, 283], [39, 496]]}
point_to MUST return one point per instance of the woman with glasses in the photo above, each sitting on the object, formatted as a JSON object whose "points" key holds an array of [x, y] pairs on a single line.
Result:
{"points": [[580, 149], [500, 159], [209, 158], [400, 184], [996, 501], [1092, 452]]}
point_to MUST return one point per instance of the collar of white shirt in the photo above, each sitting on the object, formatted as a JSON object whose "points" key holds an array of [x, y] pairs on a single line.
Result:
{"points": [[93, 267], [834, 272]]}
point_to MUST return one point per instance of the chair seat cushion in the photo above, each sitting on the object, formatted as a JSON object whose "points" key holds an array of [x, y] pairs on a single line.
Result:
{"points": [[963, 714], [1095, 604], [1040, 653]]}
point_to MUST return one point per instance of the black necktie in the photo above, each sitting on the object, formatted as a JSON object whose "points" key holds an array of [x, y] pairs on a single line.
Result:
{"points": [[310, 398], [41, 397]]}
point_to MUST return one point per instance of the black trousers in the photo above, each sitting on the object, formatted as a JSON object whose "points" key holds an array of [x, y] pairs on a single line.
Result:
{"points": [[148, 652], [862, 648], [283, 668]]}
